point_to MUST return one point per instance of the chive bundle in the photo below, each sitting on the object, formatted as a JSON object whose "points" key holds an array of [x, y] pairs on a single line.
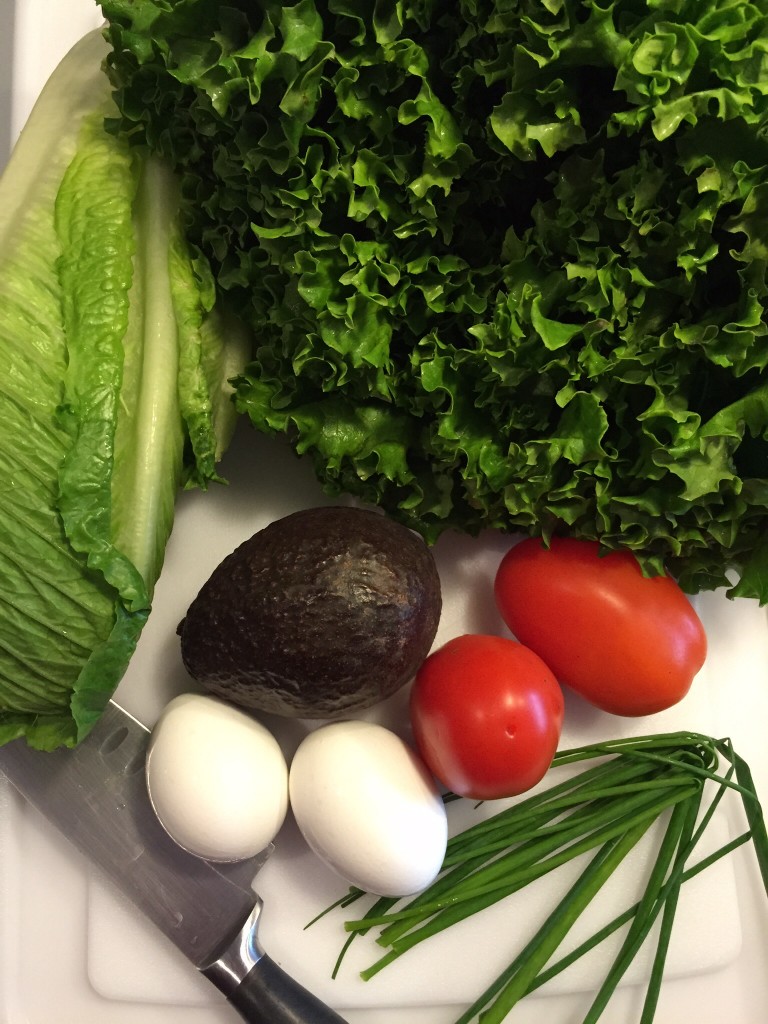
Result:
{"points": [[604, 810]]}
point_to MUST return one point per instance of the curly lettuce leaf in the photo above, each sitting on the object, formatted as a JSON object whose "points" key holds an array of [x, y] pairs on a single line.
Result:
{"points": [[505, 259]]}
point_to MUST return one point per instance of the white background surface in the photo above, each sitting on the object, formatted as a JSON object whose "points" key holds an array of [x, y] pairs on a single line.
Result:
{"points": [[70, 952]]}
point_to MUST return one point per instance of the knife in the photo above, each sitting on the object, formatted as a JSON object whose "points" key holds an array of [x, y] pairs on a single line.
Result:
{"points": [[96, 795]]}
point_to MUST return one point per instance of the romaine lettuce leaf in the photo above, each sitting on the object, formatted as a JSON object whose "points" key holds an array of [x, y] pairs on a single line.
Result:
{"points": [[94, 407]]}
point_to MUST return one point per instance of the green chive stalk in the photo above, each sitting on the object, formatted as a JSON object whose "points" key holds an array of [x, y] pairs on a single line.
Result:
{"points": [[602, 810]]}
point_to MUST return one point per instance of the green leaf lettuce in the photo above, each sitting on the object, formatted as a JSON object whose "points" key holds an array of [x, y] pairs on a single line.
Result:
{"points": [[505, 259]]}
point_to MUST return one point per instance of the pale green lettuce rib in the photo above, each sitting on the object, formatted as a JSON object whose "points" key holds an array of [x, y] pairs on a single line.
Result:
{"points": [[150, 440]]}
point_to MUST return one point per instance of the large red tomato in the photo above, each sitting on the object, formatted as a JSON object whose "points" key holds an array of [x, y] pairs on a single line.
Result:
{"points": [[628, 643], [486, 715]]}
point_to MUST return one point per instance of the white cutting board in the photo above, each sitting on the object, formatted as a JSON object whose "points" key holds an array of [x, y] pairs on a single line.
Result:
{"points": [[267, 481]]}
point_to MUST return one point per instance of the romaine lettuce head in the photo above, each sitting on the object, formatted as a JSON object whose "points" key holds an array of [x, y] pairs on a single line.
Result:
{"points": [[106, 401], [505, 259]]}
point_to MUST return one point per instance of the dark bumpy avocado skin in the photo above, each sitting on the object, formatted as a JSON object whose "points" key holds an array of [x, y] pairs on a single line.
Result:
{"points": [[323, 612]]}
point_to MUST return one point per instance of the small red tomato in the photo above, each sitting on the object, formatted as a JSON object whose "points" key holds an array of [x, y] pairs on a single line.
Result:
{"points": [[628, 643], [486, 715]]}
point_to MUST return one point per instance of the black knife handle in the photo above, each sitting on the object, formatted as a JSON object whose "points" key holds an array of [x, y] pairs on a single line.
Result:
{"points": [[267, 995]]}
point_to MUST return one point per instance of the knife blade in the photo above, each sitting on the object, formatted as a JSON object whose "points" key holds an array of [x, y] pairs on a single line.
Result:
{"points": [[96, 795]]}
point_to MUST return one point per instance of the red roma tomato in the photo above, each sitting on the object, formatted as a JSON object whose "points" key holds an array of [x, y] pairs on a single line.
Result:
{"points": [[628, 643], [486, 715]]}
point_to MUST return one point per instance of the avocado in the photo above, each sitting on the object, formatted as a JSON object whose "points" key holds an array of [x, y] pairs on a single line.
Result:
{"points": [[324, 612]]}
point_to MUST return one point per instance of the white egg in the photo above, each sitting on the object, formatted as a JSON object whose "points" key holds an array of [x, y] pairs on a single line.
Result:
{"points": [[367, 805], [217, 778]]}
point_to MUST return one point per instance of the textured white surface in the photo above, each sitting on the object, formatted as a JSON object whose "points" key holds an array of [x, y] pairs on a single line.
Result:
{"points": [[294, 884], [43, 31], [71, 951]]}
